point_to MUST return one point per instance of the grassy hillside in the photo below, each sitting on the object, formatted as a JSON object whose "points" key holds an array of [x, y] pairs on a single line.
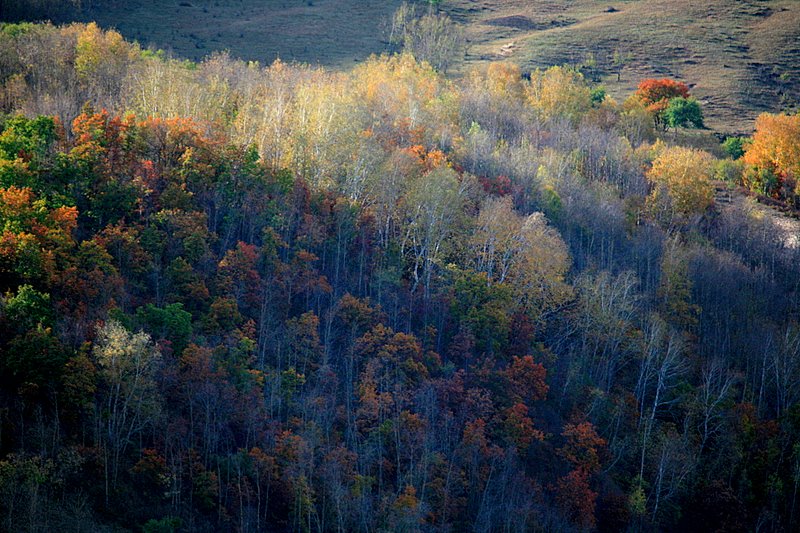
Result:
{"points": [[743, 56], [330, 32]]}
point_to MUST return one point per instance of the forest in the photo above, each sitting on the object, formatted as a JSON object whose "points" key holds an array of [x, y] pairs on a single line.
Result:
{"points": [[246, 297]]}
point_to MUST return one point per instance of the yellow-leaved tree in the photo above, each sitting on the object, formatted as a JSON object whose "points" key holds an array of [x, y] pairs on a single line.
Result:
{"points": [[127, 364], [681, 179], [523, 251], [433, 204], [559, 92], [102, 61]]}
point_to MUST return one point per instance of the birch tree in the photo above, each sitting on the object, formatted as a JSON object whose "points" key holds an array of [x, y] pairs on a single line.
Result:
{"points": [[127, 364]]}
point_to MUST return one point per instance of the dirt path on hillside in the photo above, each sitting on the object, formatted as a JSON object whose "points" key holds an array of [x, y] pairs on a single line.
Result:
{"points": [[738, 202]]}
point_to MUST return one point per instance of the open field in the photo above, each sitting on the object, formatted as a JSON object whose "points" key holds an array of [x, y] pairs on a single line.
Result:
{"points": [[741, 57]]}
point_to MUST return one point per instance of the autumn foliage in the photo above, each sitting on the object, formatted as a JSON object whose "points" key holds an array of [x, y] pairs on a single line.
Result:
{"points": [[682, 183], [775, 152], [237, 297], [656, 94]]}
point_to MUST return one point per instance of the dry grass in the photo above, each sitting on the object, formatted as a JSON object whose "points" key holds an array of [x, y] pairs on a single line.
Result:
{"points": [[741, 57], [330, 32]]}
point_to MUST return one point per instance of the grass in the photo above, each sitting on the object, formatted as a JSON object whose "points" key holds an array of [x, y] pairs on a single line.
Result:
{"points": [[334, 33], [741, 57]]}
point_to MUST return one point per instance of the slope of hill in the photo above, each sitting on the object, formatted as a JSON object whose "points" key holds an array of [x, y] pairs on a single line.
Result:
{"points": [[329, 32], [743, 57]]}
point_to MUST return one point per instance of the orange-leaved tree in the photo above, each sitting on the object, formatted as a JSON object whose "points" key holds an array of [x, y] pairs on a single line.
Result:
{"points": [[774, 154], [656, 94]]}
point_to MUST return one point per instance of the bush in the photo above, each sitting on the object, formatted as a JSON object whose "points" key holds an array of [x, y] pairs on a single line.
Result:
{"points": [[729, 171], [734, 147], [683, 113]]}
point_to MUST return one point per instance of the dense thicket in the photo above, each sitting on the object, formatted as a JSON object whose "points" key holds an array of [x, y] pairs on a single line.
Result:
{"points": [[277, 298]]}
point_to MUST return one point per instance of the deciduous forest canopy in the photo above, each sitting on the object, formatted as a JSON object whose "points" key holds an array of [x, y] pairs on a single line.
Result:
{"points": [[249, 297]]}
